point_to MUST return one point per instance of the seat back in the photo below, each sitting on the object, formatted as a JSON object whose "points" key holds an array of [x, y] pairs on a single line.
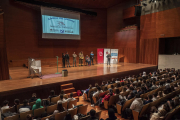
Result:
{"points": [[51, 109], [44, 118], [83, 109], [38, 112], [60, 116], [119, 107], [127, 104], [64, 104], [74, 102], [24, 115], [73, 112], [93, 89], [14, 117], [144, 109], [55, 99], [18, 106], [32, 103], [113, 99], [173, 112], [98, 114], [12, 109]]}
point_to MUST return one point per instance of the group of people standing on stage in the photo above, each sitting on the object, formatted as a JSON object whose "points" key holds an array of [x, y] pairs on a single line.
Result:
{"points": [[88, 60]]}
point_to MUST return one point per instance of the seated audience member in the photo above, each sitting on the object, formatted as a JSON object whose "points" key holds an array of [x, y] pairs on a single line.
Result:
{"points": [[118, 85], [25, 107], [105, 89], [140, 91], [92, 115], [176, 101], [5, 105], [29, 117], [175, 86], [59, 108], [159, 94], [154, 97], [108, 82], [37, 105], [123, 90], [147, 89], [103, 83], [149, 99], [136, 105], [107, 97], [122, 80], [96, 85], [136, 81], [112, 80], [117, 80], [96, 94], [160, 114], [61, 99], [70, 98], [112, 87], [33, 98], [154, 85], [62, 93], [68, 117], [16, 103], [130, 96], [117, 91], [52, 94], [171, 104], [111, 114], [127, 88], [87, 90]]}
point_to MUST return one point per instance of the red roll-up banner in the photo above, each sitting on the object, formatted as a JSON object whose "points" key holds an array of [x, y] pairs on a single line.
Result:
{"points": [[100, 55]]}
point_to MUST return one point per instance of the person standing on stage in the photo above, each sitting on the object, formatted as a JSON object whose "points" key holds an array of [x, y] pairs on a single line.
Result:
{"points": [[63, 60], [91, 57], [67, 59], [88, 61], [108, 58], [81, 57], [74, 59]]}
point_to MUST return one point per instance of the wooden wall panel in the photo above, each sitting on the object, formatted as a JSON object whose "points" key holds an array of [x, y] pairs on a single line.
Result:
{"points": [[23, 31], [129, 12], [4, 69]]}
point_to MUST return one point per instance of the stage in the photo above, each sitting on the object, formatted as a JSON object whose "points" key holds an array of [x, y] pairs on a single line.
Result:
{"points": [[81, 77]]}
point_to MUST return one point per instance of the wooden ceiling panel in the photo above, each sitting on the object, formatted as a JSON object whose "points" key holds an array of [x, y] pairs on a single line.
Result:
{"points": [[85, 4]]}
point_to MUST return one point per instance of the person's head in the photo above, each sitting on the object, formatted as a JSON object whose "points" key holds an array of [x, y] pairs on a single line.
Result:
{"points": [[62, 92], [92, 112], [131, 94], [103, 82], [149, 97], [162, 112], [61, 96], [155, 94], [105, 88], [166, 107], [60, 107], [154, 83], [34, 95], [117, 91], [92, 52], [71, 95], [81, 51], [5, 103], [96, 85], [52, 92], [137, 96], [86, 55], [66, 52], [98, 88], [113, 79], [52, 118], [74, 52], [68, 116], [25, 102], [111, 113], [117, 79], [16, 101], [118, 85], [110, 91], [108, 82], [123, 89], [160, 94], [112, 86], [29, 117]]}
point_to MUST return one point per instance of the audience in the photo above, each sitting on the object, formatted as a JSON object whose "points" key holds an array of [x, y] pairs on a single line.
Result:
{"points": [[92, 115], [16, 103], [154, 96], [5, 105], [37, 105], [52, 95], [70, 98], [25, 107], [59, 108], [61, 99], [33, 98], [149, 100], [111, 114]]}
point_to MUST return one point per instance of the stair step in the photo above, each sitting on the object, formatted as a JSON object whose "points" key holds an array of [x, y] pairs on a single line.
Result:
{"points": [[69, 90], [74, 94], [66, 86]]}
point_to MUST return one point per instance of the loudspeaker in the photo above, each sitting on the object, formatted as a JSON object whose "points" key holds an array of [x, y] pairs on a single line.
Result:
{"points": [[138, 10]]}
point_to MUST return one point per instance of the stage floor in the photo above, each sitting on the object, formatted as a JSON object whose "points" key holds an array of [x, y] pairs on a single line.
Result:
{"points": [[20, 80]]}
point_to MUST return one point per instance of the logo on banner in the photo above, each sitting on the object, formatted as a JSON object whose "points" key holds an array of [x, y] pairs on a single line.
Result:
{"points": [[61, 31], [100, 53]]}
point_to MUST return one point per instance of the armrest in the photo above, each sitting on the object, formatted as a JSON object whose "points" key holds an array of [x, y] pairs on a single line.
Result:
{"points": [[106, 104], [94, 99], [119, 107]]}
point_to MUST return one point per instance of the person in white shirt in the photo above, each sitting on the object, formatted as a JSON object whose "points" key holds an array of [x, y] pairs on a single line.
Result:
{"points": [[5, 105], [25, 107], [154, 97], [71, 98], [137, 104], [96, 94], [61, 99]]}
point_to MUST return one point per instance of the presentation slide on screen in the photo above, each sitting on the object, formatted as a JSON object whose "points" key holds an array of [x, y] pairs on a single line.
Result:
{"points": [[60, 24]]}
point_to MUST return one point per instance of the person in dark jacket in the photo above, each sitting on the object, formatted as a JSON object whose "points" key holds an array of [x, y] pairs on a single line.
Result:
{"points": [[25, 107], [92, 57], [33, 98], [92, 115], [111, 114], [52, 94], [108, 59], [149, 99], [67, 59], [88, 61], [63, 59]]}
